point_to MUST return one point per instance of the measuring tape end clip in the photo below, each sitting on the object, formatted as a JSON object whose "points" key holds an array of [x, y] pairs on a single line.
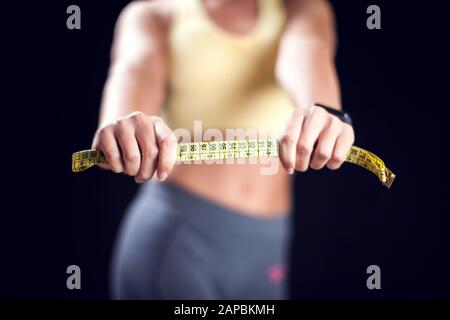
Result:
{"points": [[389, 180]]}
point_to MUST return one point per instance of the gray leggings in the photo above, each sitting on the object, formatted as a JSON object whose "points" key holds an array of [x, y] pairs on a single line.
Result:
{"points": [[174, 244]]}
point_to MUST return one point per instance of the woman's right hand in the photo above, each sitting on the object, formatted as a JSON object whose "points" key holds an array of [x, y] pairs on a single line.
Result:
{"points": [[138, 145]]}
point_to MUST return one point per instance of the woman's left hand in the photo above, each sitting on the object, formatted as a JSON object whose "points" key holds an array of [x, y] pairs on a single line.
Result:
{"points": [[315, 138]]}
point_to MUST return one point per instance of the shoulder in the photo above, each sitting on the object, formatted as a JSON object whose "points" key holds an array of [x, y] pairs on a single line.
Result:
{"points": [[320, 10], [312, 19], [141, 29], [152, 15]]}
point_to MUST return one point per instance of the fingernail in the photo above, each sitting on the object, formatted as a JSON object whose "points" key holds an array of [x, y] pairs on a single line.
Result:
{"points": [[291, 171], [159, 130], [162, 176]]}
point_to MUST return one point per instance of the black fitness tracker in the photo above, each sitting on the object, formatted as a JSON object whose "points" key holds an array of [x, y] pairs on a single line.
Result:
{"points": [[342, 115]]}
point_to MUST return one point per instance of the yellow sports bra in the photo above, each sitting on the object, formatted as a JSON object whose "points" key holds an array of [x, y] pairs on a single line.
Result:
{"points": [[225, 80]]}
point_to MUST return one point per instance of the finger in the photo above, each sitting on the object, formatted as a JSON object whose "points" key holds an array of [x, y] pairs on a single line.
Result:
{"points": [[325, 144], [149, 150], [342, 147], [289, 140], [315, 122], [131, 156], [167, 144], [106, 142]]}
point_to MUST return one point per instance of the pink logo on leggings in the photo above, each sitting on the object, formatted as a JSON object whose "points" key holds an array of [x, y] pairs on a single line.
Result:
{"points": [[276, 273]]}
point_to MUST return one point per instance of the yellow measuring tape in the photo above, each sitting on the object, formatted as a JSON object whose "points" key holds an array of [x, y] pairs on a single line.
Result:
{"points": [[236, 149]]}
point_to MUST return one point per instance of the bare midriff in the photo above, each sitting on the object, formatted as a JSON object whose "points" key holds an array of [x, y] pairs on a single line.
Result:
{"points": [[241, 187]]}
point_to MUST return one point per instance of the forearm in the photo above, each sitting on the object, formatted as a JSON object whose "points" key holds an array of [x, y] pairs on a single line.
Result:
{"points": [[305, 65], [307, 73], [139, 61], [128, 91]]}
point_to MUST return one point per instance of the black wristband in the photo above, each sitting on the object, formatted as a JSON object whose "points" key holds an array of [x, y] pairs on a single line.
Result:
{"points": [[342, 115]]}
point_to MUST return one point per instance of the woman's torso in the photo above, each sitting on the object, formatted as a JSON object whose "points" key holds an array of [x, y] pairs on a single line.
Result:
{"points": [[227, 81]]}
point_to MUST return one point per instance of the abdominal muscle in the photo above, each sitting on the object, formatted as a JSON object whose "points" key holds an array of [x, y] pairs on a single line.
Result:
{"points": [[241, 187]]}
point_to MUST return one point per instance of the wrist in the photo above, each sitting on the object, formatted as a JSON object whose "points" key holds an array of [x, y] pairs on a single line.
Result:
{"points": [[342, 115]]}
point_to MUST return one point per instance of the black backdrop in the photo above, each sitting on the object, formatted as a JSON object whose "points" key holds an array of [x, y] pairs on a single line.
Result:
{"points": [[395, 83]]}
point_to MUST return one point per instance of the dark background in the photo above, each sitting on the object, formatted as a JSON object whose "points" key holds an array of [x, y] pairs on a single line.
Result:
{"points": [[395, 82]]}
